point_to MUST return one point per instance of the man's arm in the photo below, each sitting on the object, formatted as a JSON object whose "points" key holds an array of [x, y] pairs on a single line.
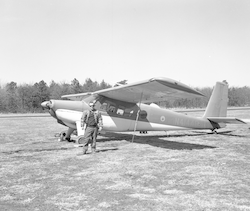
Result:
{"points": [[83, 120]]}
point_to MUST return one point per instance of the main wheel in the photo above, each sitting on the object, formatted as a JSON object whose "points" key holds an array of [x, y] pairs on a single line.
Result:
{"points": [[62, 136]]}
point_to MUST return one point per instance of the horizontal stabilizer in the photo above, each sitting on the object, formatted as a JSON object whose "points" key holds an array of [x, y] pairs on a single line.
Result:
{"points": [[227, 120], [246, 121]]}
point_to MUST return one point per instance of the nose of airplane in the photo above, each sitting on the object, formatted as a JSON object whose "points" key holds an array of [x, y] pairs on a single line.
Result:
{"points": [[45, 104]]}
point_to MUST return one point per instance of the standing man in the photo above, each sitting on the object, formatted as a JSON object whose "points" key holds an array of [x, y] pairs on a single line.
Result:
{"points": [[91, 122]]}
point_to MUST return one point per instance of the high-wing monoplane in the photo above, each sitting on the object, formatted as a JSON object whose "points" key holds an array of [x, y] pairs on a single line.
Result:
{"points": [[130, 107]]}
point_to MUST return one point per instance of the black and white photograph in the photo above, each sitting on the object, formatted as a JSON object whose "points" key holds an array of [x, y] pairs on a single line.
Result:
{"points": [[134, 105]]}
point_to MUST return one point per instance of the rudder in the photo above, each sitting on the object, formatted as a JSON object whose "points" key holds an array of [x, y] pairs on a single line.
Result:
{"points": [[217, 105]]}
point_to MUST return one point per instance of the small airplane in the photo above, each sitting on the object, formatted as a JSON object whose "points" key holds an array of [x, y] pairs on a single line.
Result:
{"points": [[130, 107]]}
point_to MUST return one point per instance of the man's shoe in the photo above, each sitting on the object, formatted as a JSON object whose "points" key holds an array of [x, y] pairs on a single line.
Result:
{"points": [[68, 139], [93, 150]]}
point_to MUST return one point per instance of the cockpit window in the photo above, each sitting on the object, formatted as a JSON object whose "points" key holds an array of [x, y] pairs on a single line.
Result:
{"points": [[128, 112], [111, 109], [104, 107], [120, 111], [143, 114]]}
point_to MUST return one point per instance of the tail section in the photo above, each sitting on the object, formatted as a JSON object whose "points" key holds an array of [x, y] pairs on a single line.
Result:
{"points": [[216, 111], [217, 105]]}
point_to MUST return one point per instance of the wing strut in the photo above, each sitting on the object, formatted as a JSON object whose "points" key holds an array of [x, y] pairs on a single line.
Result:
{"points": [[137, 117]]}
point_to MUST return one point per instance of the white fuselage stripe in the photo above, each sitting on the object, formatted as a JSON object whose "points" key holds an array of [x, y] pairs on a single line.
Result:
{"points": [[70, 117]]}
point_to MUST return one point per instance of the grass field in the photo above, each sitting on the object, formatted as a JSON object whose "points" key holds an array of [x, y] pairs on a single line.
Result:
{"points": [[184, 170]]}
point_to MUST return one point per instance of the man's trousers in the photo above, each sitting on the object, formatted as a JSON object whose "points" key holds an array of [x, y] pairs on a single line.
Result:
{"points": [[89, 137]]}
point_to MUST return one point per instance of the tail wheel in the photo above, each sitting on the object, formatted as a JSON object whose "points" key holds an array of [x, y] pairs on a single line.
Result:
{"points": [[214, 131]]}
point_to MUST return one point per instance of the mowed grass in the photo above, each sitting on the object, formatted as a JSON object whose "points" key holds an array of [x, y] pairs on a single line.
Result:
{"points": [[182, 170]]}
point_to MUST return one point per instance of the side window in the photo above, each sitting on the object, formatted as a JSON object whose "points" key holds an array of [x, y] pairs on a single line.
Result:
{"points": [[120, 111], [128, 112], [143, 114], [104, 107], [98, 105], [111, 109]]}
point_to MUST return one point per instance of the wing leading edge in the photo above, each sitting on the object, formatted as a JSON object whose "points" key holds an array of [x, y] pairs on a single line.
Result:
{"points": [[152, 90], [147, 91], [77, 97]]}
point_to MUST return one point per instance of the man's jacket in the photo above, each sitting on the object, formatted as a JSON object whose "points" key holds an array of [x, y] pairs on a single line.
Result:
{"points": [[97, 117]]}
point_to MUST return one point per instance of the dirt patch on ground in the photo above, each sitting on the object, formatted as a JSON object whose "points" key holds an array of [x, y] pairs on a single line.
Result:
{"points": [[187, 170]]}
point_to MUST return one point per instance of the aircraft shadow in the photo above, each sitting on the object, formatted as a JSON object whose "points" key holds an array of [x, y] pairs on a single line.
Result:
{"points": [[105, 150], [225, 133], [19, 151], [174, 145], [157, 141]]}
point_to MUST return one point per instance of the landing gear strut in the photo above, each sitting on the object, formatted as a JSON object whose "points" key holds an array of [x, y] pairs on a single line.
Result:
{"points": [[214, 131]]}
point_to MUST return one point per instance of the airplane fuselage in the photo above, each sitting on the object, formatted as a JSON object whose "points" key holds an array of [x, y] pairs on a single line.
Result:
{"points": [[124, 116]]}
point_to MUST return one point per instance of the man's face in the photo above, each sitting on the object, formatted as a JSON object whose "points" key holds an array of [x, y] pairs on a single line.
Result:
{"points": [[92, 106]]}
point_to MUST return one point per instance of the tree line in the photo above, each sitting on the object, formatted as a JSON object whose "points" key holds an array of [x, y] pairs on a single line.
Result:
{"points": [[237, 97], [28, 98]]}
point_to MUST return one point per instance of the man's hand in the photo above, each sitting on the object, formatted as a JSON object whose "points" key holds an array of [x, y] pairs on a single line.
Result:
{"points": [[99, 129]]}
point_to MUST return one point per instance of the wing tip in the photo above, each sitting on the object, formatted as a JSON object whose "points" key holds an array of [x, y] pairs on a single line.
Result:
{"points": [[174, 83]]}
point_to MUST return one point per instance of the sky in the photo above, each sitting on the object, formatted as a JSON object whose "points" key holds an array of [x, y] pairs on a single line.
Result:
{"points": [[196, 42]]}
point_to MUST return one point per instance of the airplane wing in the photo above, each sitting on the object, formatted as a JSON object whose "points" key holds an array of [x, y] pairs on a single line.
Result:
{"points": [[152, 90], [76, 97]]}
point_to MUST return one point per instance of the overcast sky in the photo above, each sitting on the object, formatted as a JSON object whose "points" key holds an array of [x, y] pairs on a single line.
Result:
{"points": [[197, 42]]}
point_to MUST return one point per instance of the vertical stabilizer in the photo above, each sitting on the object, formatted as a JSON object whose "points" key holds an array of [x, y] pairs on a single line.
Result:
{"points": [[217, 105]]}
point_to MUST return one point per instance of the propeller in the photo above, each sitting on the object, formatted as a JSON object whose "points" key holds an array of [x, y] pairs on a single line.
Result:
{"points": [[49, 105], [46, 104]]}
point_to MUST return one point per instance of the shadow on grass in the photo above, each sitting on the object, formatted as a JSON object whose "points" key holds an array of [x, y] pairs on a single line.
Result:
{"points": [[35, 150], [105, 150], [153, 140], [225, 133], [128, 136], [174, 145], [156, 141]]}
